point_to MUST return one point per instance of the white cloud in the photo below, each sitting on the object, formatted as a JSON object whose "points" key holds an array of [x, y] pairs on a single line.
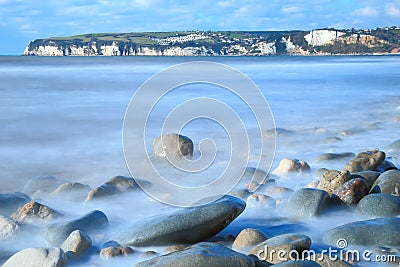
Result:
{"points": [[366, 12], [291, 9], [393, 10], [225, 3], [143, 3]]}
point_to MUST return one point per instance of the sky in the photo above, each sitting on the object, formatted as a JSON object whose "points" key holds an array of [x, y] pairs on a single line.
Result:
{"points": [[25, 20]]}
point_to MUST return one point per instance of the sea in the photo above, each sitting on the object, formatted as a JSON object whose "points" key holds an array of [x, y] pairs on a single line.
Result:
{"points": [[64, 117]]}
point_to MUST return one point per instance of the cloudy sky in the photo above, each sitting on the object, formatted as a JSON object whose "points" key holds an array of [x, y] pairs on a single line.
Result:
{"points": [[24, 20]]}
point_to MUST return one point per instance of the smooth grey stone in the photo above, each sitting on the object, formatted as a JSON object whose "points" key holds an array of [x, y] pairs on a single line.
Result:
{"points": [[46, 183], [89, 223], [172, 146], [386, 165], [76, 244], [334, 156], [201, 255], [387, 183], [376, 232], [365, 161], [277, 132], [51, 256], [379, 205], [190, 225], [291, 244], [369, 176], [12, 201], [303, 203], [298, 263], [248, 238]]}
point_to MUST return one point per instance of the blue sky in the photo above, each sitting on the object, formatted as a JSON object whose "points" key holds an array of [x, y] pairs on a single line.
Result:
{"points": [[25, 20]]}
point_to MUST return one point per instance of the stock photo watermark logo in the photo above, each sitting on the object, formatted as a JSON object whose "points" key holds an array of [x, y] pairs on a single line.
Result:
{"points": [[340, 253], [160, 174]]}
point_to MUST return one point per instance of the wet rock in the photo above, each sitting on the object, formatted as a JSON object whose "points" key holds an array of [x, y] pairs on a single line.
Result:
{"points": [[248, 238], [332, 180], [297, 263], [291, 166], [334, 156], [277, 132], [76, 244], [172, 146], [325, 261], [115, 251], [288, 243], [386, 165], [89, 223], [114, 186], [352, 131], [369, 176], [278, 192], [34, 212], [45, 183], [8, 228], [241, 193], [72, 191], [379, 205], [376, 232], [174, 248], [331, 140], [147, 255], [303, 203], [202, 254], [186, 226], [110, 243], [10, 202], [51, 256], [388, 183], [259, 200], [352, 191], [366, 161]]}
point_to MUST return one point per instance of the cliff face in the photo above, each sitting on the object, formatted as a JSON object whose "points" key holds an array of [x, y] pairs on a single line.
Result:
{"points": [[325, 41]]}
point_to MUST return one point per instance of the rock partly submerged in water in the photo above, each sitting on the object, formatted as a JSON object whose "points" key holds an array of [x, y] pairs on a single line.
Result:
{"points": [[72, 191], [366, 161], [277, 132], [172, 146], [8, 228], [376, 232], [379, 205], [12, 201], [45, 183], [115, 251], [352, 191], [334, 156], [248, 238], [332, 180], [199, 255], [51, 256], [304, 203], [331, 140], [90, 222], [76, 244], [369, 176], [189, 225], [287, 166], [388, 183], [35, 212]]}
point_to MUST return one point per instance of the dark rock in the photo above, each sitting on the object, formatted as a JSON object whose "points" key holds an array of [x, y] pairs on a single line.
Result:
{"points": [[34, 212], [186, 226], [366, 161], [352, 191], [200, 255], [111, 243], [369, 176], [288, 243], [115, 251], [46, 183], [388, 183], [386, 165], [114, 186], [8, 228], [379, 205], [331, 140], [305, 202], [89, 223], [248, 238], [76, 244], [10, 202], [52, 256], [376, 232], [277, 132], [332, 180], [334, 156], [172, 146]]}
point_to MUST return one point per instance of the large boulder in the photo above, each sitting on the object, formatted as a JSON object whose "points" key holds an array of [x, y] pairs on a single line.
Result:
{"points": [[190, 225], [379, 205], [172, 146], [288, 245], [388, 183], [38, 257], [303, 203], [369, 176], [332, 180], [376, 232], [34, 212], [89, 223], [200, 255], [12, 201], [366, 161]]}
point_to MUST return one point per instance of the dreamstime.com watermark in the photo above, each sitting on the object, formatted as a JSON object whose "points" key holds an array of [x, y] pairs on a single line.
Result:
{"points": [[333, 254]]}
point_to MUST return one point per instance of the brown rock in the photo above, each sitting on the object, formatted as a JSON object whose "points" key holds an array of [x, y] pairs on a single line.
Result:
{"points": [[332, 180], [352, 191], [248, 238], [366, 161], [111, 252], [34, 211]]}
